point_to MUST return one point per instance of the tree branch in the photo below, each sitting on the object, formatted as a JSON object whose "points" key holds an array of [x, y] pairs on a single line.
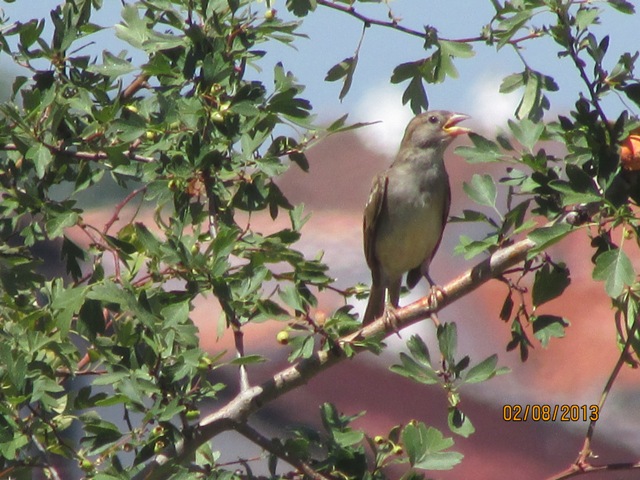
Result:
{"points": [[139, 83], [393, 24], [278, 450], [350, 10], [249, 401], [93, 156], [576, 470]]}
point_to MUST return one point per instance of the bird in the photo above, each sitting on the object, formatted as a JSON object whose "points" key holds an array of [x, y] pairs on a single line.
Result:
{"points": [[407, 210]]}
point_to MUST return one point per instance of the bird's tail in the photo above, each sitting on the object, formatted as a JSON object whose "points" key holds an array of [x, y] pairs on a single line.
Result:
{"points": [[375, 307]]}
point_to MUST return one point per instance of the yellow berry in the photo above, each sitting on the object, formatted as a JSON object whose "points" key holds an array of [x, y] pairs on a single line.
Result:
{"points": [[283, 337]]}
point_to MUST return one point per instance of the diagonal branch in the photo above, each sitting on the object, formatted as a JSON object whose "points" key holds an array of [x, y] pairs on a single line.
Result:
{"points": [[249, 401], [277, 449]]}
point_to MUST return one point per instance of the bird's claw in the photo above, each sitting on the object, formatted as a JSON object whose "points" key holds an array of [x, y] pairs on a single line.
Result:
{"points": [[436, 295], [390, 319]]}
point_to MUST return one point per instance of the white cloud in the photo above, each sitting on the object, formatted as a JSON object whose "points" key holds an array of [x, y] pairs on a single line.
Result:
{"points": [[384, 104], [490, 108]]}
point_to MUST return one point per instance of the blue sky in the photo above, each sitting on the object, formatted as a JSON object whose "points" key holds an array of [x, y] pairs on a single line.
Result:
{"points": [[334, 36]]}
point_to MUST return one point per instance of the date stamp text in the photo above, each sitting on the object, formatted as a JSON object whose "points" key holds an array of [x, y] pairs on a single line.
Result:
{"points": [[550, 413]]}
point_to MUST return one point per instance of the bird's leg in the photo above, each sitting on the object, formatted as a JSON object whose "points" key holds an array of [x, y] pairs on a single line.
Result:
{"points": [[436, 294], [390, 304]]}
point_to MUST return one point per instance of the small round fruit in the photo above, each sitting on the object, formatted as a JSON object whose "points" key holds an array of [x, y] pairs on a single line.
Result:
{"points": [[630, 151], [86, 465], [283, 337]]}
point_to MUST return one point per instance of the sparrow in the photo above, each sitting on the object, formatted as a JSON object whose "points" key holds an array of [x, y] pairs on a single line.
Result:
{"points": [[407, 209]]}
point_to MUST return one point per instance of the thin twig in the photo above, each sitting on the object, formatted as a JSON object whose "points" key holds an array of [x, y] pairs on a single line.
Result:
{"points": [[575, 57], [393, 24], [582, 465], [116, 213], [238, 338], [92, 156], [278, 450], [574, 471]]}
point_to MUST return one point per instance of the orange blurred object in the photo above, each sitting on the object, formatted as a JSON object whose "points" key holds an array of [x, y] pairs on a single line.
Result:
{"points": [[630, 151]]}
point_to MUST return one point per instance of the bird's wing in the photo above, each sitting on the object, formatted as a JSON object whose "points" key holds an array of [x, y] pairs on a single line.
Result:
{"points": [[414, 275], [372, 210], [445, 217]]}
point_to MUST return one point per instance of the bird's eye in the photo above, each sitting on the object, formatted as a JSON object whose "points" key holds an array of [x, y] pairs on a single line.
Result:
{"points": [[433, 119]]}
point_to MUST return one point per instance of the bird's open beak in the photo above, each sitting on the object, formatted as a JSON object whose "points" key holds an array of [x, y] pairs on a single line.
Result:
{"points": [[452, 128]]}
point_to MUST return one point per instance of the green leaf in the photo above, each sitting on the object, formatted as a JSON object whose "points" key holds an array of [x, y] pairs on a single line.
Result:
{"points": [[347, 438], [586, 17], [623, 6], [473, 216], [632, 91], [527, 132], [290, 296], [419, 350], [59, 219], [405, 71], [482, 371], [512, 82], [424, 447], [544, 237], [112, 66], [459, 423], [441, 62], [531, 96], [447, 334], [482, 190], [170, 410], [571, 196], [248, 360], [470, 248], [413, 370], [483, 150], [615, 269], [507, 28], [546, 327], [300, 8], [133, 30], [416, 95], [67, 303], [456, 49], [550, 282], [346, 68], [41, 157]]}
